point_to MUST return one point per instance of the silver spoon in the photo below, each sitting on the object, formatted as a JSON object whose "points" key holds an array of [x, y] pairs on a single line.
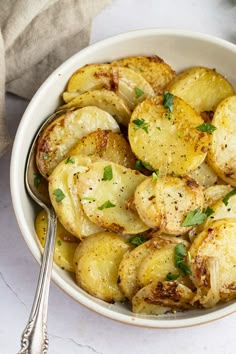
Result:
{"points": [[34, 338]]}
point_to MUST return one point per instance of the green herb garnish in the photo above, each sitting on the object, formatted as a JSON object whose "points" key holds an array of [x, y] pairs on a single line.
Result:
{"points": [[137, 240], [138, 92], [70, 160], [195, 217], [59, 242], [171, 276], [168, 103], [206, 128], [106, 205], [37, 180], [179, 259], [139, 164], [59, 195], [225, 200], [46, 156], [107, 174], [140, 124], [208, 211], [155, 175], [88, 198]]}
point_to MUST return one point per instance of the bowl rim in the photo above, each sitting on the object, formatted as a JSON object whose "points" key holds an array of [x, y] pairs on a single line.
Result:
{"points": [[15, 155]]}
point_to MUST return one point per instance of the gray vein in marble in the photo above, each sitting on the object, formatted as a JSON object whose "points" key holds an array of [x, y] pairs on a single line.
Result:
{"points": [[12, 291], [75, 342]]}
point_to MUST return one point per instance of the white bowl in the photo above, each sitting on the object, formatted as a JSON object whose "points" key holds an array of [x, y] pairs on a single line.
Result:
{"points": [[180, 49]]}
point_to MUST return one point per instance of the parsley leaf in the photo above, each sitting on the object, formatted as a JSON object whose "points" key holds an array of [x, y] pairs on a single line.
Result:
{"points": [[206, 127], [179, 257], [225, 200], [107, 174], [194, 217], [139, 164], [37, 180], [59, 195], [137, 240], [172, 276], [138, 92], [70, 160], [59, 242], [155, 175], [208, 211], [140, 124], [106, 205], [88, 198], [168, 103]]}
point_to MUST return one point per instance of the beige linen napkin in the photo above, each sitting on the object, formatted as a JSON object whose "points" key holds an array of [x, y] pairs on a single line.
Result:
{"points": [[35, 38]]}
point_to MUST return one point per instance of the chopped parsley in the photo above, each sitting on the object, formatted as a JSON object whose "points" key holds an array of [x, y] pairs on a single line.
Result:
{"points": [[138, 92], [106, 205], [206, 128], [107, 174], [225, 200], [88, 198], [180, 254], [37, 180], [137, 240], [59, 195], [168, 103], [171, 276], [196, 217], [59, 242], [140, 124], [70, 160], [139, 164], [155, 175]]}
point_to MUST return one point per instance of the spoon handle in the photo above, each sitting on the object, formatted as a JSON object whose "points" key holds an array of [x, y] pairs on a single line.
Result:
{"points": [[34, 339]]}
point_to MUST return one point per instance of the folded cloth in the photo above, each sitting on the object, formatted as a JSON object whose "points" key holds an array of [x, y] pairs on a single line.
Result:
{"points": [[35, 38]]}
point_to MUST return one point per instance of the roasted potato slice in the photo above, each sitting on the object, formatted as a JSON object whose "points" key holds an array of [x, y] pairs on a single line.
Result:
{"points": [[106, 145], [215, 193], [65, 244], [65, 131], [63, 191], [158, 298], [89, 77], [96, 261], [105, 190], [165, 141], [204, 175], [153, 69], [165, 202], [104, 99], [222, 152], [213, 259], [201, 87]]}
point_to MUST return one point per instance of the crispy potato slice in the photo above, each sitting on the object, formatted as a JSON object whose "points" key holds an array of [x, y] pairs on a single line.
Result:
{"points": [[160, 261], [89, 77], [153, 69], [204, 175], [201, 87], [63, 191], [106, 145], [96, 260], [104, 99], [65, 244], [65, 131], [105, 197], [165, 202], [214, 193], [174, 144], [222, 152], [213, 259], [158, 298], [131, 86]]}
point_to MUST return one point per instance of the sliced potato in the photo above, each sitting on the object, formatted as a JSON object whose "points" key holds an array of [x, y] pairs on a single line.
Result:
{"points": [[65, 131], [215, 193], [204, 175], [106, 145], [105, 197], [222, 152], [213, 259], [104, 99], [165, 202], [65, 244], [96, 260], [158, 298], [153, 69], [89, 77], [63, 191], [173, 144], [201, 87], [131, 86]]}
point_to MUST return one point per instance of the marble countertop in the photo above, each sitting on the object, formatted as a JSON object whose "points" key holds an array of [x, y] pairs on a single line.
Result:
{"points": [[72, 328]]}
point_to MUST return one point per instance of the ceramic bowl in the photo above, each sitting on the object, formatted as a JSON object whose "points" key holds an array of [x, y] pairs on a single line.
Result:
{"points": [[181, 50]]}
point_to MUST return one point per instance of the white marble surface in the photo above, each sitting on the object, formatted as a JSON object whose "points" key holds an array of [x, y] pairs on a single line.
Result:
{"points": [[72, 328]]}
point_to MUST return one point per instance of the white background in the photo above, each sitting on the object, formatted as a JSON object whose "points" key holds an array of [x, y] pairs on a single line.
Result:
{"points": [[72, 328]]}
